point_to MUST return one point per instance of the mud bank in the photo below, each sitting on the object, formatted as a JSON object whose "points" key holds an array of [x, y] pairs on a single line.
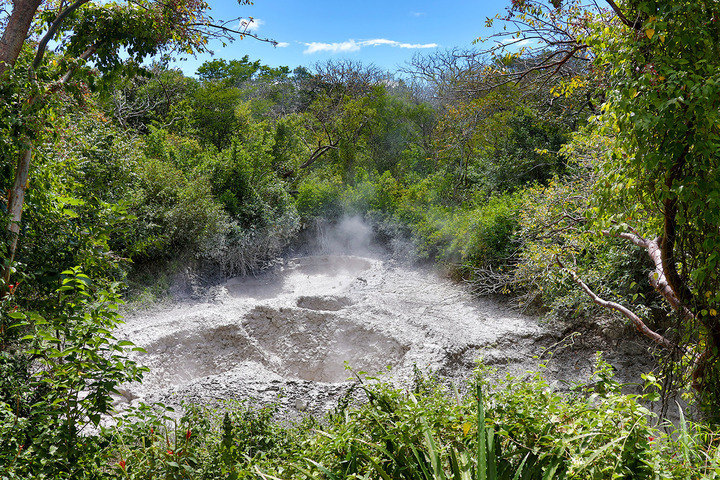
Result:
{"points": [[291, 335]]}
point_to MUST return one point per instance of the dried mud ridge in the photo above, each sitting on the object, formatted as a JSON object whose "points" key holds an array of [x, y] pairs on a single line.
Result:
{"points": [[290, 336]]}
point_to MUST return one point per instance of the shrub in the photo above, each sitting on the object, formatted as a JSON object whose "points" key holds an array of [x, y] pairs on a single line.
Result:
{"points": [[484, 235], [319, 198], [182, 152], [554, 222], [262, 215], [521, 429], [76, 207], [466, 237], [204, 443], [75, 364], [380, 195], [240, 251], [175, 212]]}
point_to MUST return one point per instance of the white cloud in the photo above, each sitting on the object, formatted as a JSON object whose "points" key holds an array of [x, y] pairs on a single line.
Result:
{"points": [[516, 42], [392, 43], [282, 44], [417, 14], [349, 46], [354, 46], [506, 40], [251, 24]]}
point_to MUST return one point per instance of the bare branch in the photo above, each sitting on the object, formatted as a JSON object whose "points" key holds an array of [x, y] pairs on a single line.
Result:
{"points": [[222, 30], [630, 315], [319, 152], [657, 277], [621, 15]]}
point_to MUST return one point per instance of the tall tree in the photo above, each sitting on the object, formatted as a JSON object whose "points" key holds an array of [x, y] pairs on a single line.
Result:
{"points": [[665, 110], [84, 31], [659, 185]]}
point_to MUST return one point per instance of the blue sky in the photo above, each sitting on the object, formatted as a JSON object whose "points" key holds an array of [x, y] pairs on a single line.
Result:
{"points": [[385, 33]]}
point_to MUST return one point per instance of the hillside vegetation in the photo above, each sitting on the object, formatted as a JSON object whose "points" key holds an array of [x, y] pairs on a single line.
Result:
{"points": [[579, 178]]}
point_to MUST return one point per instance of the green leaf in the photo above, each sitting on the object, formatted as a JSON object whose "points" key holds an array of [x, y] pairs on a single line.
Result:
{"points": [[378, 469], [481, 448], [70, 201]]}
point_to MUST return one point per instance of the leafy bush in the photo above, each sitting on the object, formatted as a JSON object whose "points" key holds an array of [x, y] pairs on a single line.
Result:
{"points": [[484, 235], [467, 237], [204, 443], [175, 212], [555, 221], [522, 429], [182, 152], [262, 215], [526, 153], [75, 208], [380, 195], [73, 366], [319, 198], [244, 181]]}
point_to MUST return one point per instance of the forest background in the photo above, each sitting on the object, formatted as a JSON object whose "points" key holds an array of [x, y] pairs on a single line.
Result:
{"points": [[579, 178]]}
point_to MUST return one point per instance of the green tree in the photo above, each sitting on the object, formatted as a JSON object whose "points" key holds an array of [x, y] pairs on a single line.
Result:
{"points": [[658, 184], [213, 113], [343, 109], [231, 73], [664, 63], [85, 31]]}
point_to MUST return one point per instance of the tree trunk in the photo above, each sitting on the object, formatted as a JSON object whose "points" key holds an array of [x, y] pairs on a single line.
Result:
{"points": [[16, 31], [15, 205]]}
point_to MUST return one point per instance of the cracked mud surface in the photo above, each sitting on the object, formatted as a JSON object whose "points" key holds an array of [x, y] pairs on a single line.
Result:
{"points": [[287, 336]]}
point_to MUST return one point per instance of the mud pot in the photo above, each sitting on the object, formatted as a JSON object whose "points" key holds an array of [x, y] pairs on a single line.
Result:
{"points": [[296, 335]]}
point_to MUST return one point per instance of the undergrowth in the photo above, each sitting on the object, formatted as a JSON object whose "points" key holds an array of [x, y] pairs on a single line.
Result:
{"points": [[519, 428]]}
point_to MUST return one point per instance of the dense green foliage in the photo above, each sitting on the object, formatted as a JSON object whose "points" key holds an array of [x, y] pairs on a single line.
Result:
{"points": [[521, 174], [520, 429], [665, 109]]}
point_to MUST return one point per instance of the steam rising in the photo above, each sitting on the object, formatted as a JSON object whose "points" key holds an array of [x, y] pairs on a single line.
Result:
{"points": [[351, 235]]}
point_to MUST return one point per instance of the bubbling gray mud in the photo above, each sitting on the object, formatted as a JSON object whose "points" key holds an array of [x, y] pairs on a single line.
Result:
{"points": [[290, 336]]}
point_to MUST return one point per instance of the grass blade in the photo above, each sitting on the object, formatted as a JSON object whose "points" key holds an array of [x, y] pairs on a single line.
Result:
{"points": [[330, 474], [684, 435], [433, 451], [520, 468], [421, 463], [380, 471], [481, 450], [454, 466], [491, 460], [597, 453]]}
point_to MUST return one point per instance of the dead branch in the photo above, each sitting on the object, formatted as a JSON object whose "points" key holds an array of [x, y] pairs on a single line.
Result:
{"points": [[487, 281], [319, 152], [630, 315], [657, 277]]}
